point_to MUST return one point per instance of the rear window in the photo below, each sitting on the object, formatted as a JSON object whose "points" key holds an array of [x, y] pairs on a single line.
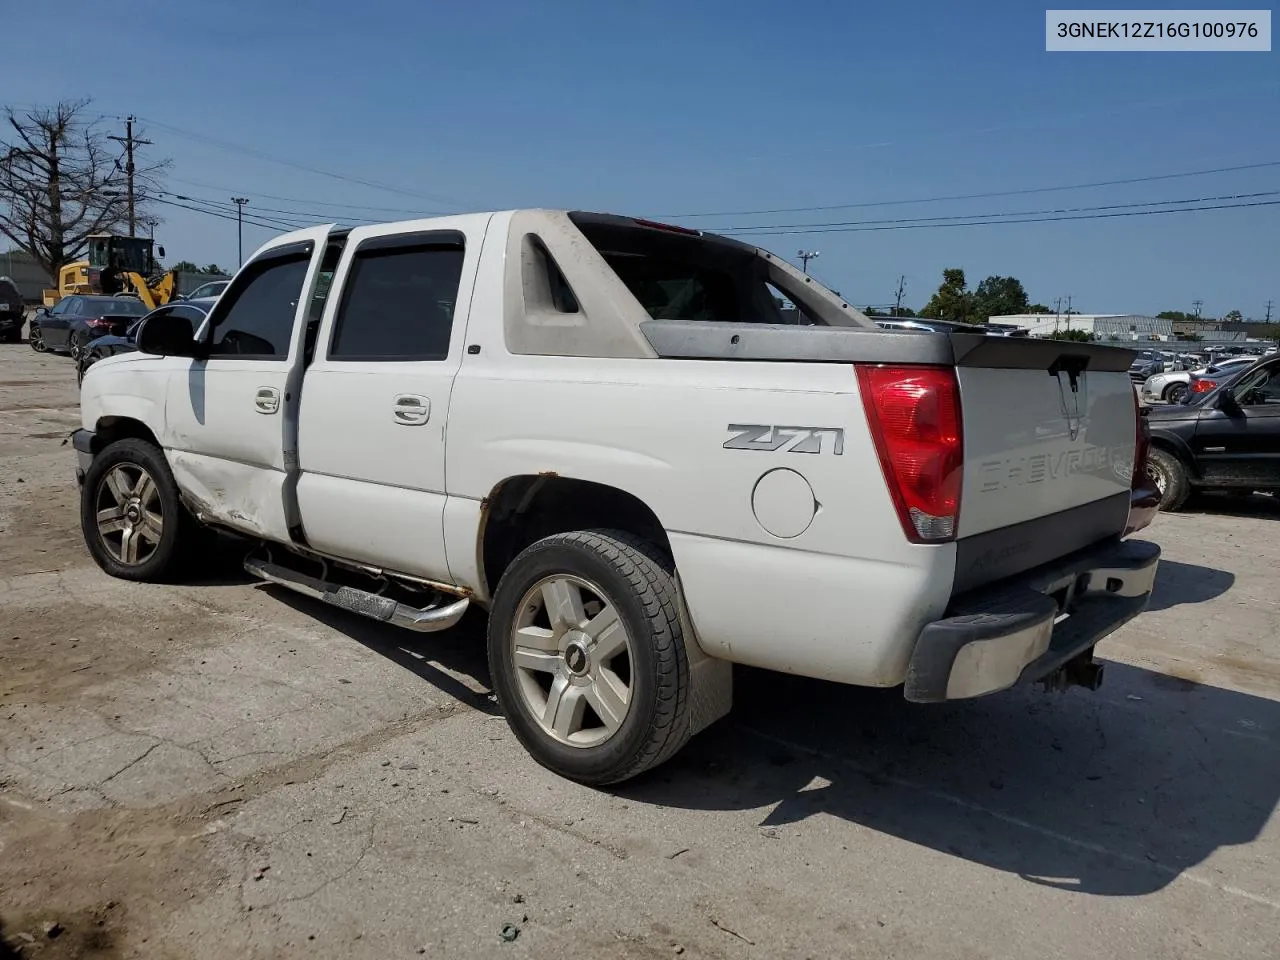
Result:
{"points": [[679, 276], [117, 308]]}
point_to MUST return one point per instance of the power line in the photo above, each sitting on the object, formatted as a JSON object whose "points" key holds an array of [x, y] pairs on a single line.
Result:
{"points": [[749, 228], [984, 223], [220, 215], [315, 203], [975, 196], [260, 155], [130, 141]]}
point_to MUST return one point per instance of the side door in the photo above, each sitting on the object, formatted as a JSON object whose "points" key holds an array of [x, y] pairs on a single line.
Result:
{"points": [[1242, 447], [55, 326], [375, 399], [230, 414]]}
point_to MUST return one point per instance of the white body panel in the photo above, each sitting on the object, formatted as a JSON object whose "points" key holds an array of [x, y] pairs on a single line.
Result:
{"points": [[1033, 447], [372, 480], [231, 428]]}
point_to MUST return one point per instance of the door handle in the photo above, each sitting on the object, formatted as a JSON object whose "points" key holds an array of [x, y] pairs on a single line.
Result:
{"points": [[411, 409], [267, 400]]}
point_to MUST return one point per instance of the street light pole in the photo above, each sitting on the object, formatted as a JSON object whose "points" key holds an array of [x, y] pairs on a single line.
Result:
{"points": [[805, 256], [240, 202]]}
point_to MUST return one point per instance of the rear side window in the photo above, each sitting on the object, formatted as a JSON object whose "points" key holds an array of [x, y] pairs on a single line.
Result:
{"points": [[255, 318], [679, 276], [398, 301]]}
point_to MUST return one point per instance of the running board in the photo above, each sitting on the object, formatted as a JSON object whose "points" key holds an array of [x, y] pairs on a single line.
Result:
{"points": [[421, 620]]}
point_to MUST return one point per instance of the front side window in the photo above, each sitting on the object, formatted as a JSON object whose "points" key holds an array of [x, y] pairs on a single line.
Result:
{"points": [[1260, 388], [257, 314], [398, 303]]}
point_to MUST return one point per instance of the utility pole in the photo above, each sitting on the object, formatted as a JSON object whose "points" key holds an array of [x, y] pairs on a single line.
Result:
{"points": [[1270, 303], [1196, 305], [1057, 314], [897, 300], [130, 141], [807, 255], [240, 202]]}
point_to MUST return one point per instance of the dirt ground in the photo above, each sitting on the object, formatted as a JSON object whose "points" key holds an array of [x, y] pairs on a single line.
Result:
{"points": [[223, 769]]}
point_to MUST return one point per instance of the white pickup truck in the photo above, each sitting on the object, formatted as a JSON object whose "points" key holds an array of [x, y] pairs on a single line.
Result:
{"points": [[605, 432]]}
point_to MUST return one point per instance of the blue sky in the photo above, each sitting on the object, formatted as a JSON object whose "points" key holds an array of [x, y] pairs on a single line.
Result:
{"points": [[665, 109]]}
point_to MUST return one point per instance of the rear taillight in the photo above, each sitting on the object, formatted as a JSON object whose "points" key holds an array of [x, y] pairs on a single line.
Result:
{"points": [[98, 323], [1142, 445], [914, 416], [1202, 386]]}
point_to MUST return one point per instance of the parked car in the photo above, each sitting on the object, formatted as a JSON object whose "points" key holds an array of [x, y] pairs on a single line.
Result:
{"points": [[73, 321], [210, 290], [619, 398], [127, 342], [1225, 438], [1208, 380], [1146, 364], [1175, 386], [12, 311]]}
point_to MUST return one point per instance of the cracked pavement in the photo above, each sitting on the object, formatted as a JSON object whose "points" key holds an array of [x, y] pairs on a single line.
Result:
{"points": [[223, 769]]}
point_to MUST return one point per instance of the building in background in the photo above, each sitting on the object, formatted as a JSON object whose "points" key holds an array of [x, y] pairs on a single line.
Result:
{"points": [[1131, 327], [30, 279]]}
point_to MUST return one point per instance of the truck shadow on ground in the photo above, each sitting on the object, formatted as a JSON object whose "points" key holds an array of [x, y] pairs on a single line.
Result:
{"points": [[1114, 793], [1253, 506], [443, 659], [1187, 583]]}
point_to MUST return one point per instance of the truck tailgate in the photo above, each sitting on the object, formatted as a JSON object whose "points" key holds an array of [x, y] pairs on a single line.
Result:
{"points": [[1038, 442]]}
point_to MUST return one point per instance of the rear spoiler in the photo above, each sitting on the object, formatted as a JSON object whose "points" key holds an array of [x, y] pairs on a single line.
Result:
{"points": [[790, 343]]}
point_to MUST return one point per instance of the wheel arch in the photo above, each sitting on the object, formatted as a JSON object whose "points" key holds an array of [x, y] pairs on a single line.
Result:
{"points": [[109, 429], [522, 509], [1174, 445]]}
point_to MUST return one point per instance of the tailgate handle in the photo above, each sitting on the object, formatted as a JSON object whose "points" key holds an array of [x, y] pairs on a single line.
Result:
{"points": [[1072, 364]]}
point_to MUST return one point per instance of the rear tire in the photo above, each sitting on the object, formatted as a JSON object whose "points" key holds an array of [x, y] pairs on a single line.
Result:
{"points": [[132, 519], [588, 655], [1170, 477], [1176, 392]]}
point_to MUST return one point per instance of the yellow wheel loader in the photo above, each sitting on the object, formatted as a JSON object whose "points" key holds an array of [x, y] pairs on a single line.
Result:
{"points": [[117, 265]]}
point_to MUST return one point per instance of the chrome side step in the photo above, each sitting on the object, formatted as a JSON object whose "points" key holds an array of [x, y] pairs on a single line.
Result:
{"points": [[422, 620]]}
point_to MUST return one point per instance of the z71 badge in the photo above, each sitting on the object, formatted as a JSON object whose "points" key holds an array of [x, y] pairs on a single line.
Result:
{"points": [[754, 436]]}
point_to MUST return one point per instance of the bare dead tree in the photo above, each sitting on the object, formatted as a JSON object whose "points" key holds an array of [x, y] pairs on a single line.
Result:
{"points": [[61, 181]]}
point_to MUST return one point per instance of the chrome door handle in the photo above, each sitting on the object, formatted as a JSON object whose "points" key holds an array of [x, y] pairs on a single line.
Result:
{"points": [[411, 409], [267, 400]]}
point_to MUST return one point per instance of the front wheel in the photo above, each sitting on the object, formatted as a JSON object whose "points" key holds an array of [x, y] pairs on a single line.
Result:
{"points": [[588, 655], [1176, 393], [1169, 475], [37, 339], [132, 520]]}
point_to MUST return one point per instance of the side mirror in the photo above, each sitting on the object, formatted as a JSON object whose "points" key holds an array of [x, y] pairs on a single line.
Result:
{"points": [[1228, 403], [168, 335], [41, 311], [160, 252]]}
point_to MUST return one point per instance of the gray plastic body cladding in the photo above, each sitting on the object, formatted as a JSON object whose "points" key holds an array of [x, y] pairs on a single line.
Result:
{"points": [[674, 339]]}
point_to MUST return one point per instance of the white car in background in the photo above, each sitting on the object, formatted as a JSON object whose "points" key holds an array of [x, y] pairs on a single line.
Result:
{"points": [[1174, 386]]}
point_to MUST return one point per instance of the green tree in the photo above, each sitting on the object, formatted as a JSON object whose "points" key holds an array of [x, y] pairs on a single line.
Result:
{"points": [[1176, 315], [1233, 316], [214, 268], [1079, 336], [998, 297], [185, 266], [952, 301], [1038, 308]]}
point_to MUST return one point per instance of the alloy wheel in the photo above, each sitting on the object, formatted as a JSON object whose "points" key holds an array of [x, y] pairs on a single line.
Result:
{"points": [[130, 516], [573, 660]]}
